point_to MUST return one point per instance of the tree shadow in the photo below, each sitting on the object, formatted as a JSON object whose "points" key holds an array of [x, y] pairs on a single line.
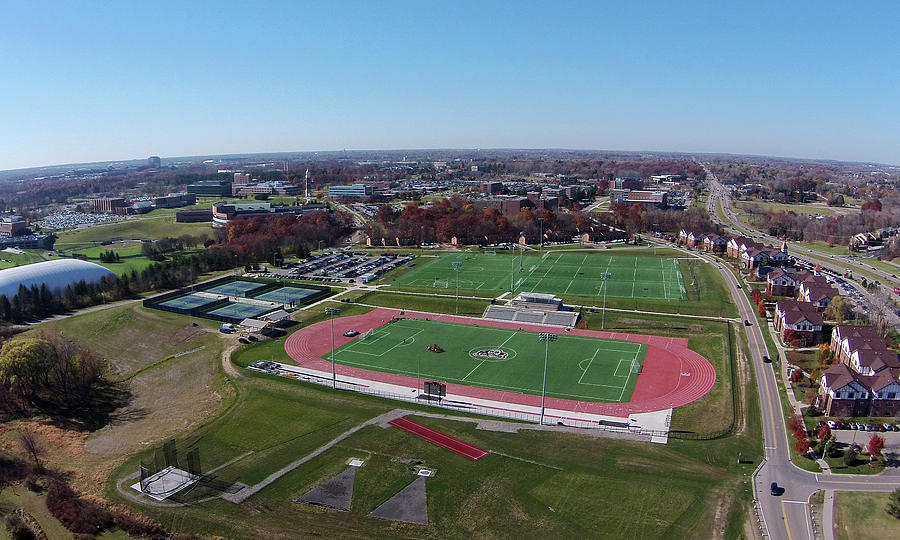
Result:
{"points": [[105, 403]]}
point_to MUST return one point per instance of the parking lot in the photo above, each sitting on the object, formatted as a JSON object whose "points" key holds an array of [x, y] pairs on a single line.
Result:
{"points": [[345, 267]]}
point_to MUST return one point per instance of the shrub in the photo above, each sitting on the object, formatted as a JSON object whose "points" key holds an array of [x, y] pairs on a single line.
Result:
{"points": [[76, 514]]}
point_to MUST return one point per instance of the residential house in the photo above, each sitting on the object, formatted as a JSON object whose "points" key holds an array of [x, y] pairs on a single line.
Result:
{"points": [[800, 317]]}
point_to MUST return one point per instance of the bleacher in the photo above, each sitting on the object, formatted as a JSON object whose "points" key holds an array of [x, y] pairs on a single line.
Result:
{"points": [[546, 315]]}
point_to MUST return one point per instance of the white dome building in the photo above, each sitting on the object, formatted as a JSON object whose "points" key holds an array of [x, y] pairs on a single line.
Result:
{"points": [[56, 274]]}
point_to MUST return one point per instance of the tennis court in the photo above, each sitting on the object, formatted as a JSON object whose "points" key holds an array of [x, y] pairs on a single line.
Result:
{"points": [[580, 368], [575, 274], [236, 310], [235, 288], [187, 302], [286, 295]]}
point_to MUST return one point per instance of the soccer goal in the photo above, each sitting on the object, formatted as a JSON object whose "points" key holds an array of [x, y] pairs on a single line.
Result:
{"points": [[636, 366], [441, 284], [368, 334], [491, 252]]}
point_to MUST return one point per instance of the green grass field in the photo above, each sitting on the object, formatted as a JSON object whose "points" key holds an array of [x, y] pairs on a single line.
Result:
{"points": [[580, 368], [861, 516], [576, 274]]}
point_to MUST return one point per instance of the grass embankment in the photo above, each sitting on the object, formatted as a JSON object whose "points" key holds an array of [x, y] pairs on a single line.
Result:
{"points": [[170, 368], [146, 228], [10, 260], [862, 516]]}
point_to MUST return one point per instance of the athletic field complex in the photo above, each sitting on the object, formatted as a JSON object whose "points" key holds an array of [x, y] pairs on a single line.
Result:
{"points": [[500, 365], [576, 274]]}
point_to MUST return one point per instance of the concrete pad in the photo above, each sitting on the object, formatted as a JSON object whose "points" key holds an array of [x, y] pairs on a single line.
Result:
{"points": [[408, 505], [335, 492]]}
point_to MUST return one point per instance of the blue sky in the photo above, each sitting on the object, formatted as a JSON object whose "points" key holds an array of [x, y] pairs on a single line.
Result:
{"points": [[86, 81]]}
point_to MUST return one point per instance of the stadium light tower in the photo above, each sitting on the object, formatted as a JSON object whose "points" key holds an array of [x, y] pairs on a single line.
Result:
{"points": [[546, 337], [456, 265], [332, 312], [541, 237]]}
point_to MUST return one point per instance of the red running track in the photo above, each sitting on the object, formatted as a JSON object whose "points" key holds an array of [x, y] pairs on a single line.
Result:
{"points": [[672, 375], [436, 437]]}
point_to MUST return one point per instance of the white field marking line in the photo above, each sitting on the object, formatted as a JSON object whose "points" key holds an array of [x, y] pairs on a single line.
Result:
{"points": [[387, 351], [492, 386], [627, 378], [485, 360], [616, 372], [663, 270], [634, 277], [505, 330], [588, 366]]}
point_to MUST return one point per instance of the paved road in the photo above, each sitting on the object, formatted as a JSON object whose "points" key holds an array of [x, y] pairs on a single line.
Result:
{"points": [[787, 516]]}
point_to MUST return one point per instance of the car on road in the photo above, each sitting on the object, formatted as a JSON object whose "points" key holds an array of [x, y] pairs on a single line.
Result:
{"points": [[747, 323], [775, 490], [766, 359]]}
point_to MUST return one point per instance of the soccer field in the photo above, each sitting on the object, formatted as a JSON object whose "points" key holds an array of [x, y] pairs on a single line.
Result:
{"points": [[580, 368], [574, 274]]}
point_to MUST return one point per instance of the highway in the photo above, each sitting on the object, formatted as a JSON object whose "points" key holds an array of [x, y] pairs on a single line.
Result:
{"points": [[785, 516]]}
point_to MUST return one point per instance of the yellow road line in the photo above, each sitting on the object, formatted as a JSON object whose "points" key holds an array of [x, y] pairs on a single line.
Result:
{"points": [[786, 526]]}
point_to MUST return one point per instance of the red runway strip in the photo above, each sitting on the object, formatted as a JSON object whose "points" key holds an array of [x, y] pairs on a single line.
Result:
{"points": [[436, 437]]}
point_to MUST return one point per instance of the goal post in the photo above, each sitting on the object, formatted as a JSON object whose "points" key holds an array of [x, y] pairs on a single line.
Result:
{"points": [[636, 366]]}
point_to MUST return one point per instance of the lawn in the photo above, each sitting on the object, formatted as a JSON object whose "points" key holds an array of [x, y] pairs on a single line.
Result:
{"points": [[861, 516], [580, 368], [575, 274], [580, 492], [431, 304]]}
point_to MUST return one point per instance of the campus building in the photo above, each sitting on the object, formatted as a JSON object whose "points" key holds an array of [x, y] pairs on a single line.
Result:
{"points": [[175, 200], [12, 225], [210, 188], [354, 191], [223, 212], [108, 205]]}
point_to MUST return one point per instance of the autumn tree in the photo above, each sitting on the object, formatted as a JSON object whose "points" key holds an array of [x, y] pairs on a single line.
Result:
{"points": [[876, 444], [838, 309]]}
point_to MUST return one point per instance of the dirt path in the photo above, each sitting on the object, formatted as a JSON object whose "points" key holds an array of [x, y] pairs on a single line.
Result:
{"points": [[227, 366]]}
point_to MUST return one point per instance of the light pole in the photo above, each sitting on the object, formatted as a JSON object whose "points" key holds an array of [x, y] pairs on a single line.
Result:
{"points": [[541, 237], [332, 312], [521, 251], [456, 265], [546, 337]]}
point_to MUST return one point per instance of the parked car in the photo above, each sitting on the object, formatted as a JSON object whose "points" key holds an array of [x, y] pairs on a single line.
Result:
{"points": [[832, 424]]}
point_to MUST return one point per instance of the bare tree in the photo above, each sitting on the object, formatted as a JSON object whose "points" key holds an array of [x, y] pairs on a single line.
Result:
{"points": [[32, 445]]}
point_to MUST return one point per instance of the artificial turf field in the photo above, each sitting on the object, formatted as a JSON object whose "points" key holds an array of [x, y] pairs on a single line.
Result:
{"points": [[580, 368], [576, 274]]}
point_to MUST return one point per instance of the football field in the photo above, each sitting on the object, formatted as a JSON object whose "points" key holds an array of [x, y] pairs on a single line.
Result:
{"points": [[575, 274], [580, 368]]}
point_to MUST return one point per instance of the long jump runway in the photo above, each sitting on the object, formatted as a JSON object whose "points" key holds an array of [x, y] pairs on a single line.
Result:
{"points": [[672, 374]]}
